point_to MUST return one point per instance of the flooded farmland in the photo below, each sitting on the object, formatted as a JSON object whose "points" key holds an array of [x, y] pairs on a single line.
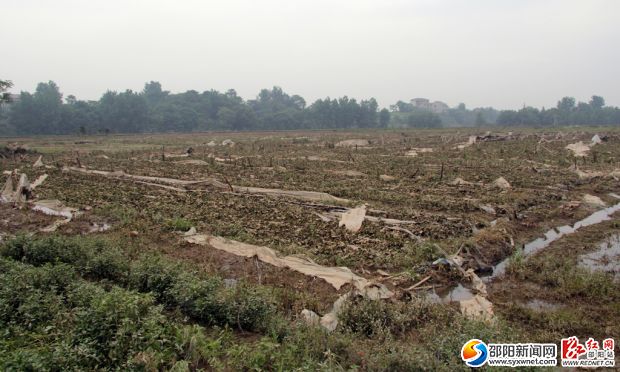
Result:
{"points": [[344, 234]]}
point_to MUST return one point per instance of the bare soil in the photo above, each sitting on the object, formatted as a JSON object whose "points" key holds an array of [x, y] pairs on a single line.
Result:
{"points": [[546, 191]]}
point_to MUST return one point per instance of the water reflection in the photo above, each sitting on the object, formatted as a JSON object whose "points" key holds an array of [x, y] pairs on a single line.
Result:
{"points": [[555, 234]]}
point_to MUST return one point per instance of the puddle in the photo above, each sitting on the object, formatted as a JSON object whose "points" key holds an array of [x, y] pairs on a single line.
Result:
{"points": [[445, 295], [606, 258], [460, 293], [540, 305], [555, 234]]}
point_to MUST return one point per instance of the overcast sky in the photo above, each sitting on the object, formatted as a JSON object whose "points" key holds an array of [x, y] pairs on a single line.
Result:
{"points": [[502, 53]]}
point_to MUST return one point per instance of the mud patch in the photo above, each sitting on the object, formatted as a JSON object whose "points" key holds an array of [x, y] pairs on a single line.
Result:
{"points": [[230, 266], [14, 220], [336, 276]]}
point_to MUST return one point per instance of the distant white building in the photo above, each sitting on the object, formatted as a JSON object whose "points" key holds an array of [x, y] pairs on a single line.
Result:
{"points": [[425, 104], [420, 102]]}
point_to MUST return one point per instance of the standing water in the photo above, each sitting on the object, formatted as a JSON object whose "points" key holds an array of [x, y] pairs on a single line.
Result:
{"points": [[462, 293], [556, 233], [606, 258]]}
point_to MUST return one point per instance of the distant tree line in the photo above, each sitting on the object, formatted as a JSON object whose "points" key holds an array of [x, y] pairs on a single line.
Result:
{"points": [[565, 113], [156, 110], [405, 114]]}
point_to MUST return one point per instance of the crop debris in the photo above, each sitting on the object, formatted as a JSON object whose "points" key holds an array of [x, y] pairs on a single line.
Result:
{"points": [[303, 234]]}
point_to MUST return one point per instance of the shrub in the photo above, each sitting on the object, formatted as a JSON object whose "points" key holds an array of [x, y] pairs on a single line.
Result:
{"points": [[248, 308], [367, 317], [380, 318], [196, 346], [305, 348], [56, 320], [25, 360], [120, 324], [103, 261], [29, 296], [262, 356], [94, 259], [446, 338], [308, 343], [40, 251], [199, 298], [82, 293], [14, 248], [393, 357], [203, 299], [153, 274]]}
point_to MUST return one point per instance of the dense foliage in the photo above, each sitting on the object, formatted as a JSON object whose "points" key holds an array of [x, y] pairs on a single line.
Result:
{"points": [[156, 110], [83, 304]]}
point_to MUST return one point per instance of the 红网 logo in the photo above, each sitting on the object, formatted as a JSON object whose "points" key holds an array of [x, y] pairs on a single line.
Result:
{"points": [[474, 353], [588, 354]]}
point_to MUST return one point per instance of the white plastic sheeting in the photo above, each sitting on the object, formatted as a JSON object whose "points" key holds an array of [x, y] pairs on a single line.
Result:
{"points": [[353, 218]]}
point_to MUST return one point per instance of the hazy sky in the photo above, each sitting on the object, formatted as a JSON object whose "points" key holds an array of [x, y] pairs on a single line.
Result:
{"points": [[502, 53]]}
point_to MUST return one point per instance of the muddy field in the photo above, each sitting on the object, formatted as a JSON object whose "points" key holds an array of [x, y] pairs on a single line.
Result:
{"points": [[438, 211]]}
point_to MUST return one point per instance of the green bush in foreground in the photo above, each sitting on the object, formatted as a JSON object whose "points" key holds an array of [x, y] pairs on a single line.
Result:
{"points": [[81, 304], [204, 299], [53, 320], [93, 259]]}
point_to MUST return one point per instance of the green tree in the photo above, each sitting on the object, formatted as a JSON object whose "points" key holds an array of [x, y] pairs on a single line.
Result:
{"points": [[403, 106], [368, 115], [125, 112], [597, 102], [153, 94], [384, 118], [153, 109], [423, 119], [38, 113], [566, 104], [70, 99], [4, 86], [79, 116], [480, 121]]}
